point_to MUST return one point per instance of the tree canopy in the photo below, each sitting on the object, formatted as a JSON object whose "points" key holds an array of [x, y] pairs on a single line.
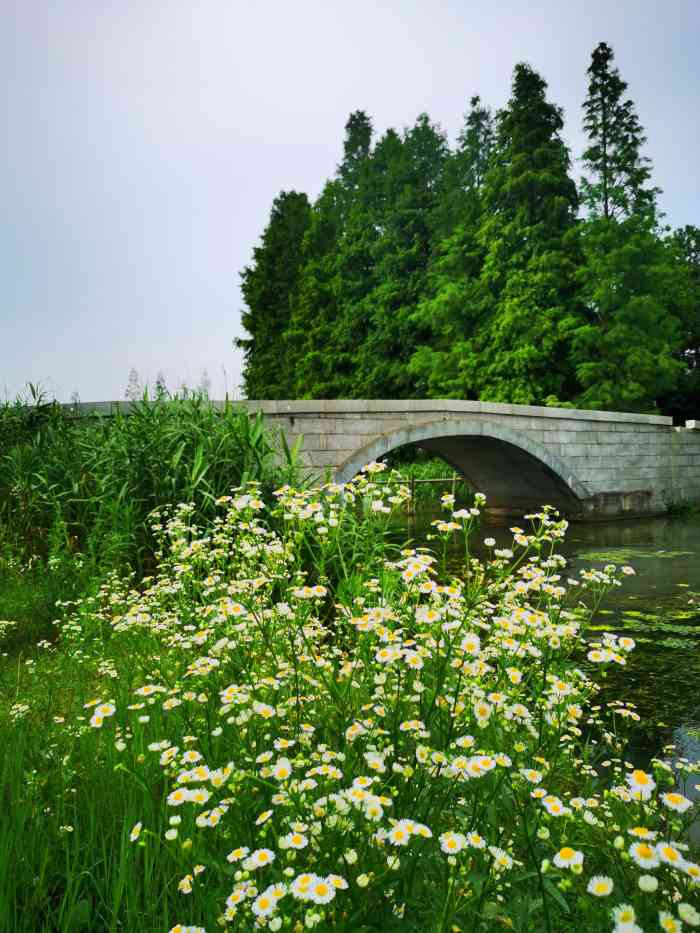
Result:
{"points": [[483, 270]]}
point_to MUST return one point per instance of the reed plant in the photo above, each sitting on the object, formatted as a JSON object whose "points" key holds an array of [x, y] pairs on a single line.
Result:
{"points": [[293, 724], [102, 475]]}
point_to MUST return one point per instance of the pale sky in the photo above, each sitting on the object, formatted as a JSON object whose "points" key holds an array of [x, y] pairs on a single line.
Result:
{"points": [[143, 142]]}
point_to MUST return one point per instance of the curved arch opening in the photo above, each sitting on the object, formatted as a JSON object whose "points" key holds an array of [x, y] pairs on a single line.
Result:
{"points": [[431, 476], [515, 473]]}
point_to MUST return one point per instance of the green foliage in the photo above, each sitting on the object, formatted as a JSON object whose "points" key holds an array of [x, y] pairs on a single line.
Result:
{"points": [[615, 183], [626, 351], [401, 256], [517, 350], [32, 589], [428, 477], [455, 300], [467, 272], [95, 480], [267, 286], [684, 253], [316, 372]]}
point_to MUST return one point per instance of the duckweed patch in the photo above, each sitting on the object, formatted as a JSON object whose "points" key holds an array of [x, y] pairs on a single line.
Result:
{"points": [[629, 555]]}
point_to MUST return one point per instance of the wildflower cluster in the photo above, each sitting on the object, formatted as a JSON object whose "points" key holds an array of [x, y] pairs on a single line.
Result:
{"points": [[344, 741]]}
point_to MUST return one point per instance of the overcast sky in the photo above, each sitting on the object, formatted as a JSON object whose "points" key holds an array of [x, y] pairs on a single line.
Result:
{"points": [[144, 140]]}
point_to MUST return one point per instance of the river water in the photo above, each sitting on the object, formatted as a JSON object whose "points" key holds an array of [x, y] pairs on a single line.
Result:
{"points": [[659, 607]]}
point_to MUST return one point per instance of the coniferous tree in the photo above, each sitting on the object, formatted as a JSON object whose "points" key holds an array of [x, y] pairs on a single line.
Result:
{"points": [[356, 150], [268, 286], [323, 334], [420, 271], [451, 307], [517, 348], [411, 174], [203, 389], [161, 387], [476, 140], [615, 184], [359, 176], [686, 245], [625, 351], [308, 338]]}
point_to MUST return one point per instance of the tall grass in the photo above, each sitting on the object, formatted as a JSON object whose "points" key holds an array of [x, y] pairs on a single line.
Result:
{"points": [[76, 492], [100, 477]]}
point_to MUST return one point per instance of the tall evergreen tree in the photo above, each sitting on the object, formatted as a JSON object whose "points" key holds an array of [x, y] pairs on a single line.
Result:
{"points": [[517, 348], [464, 172], [453, 302], [268, 286], [626, 351], [359, 176], [308, 339], [409, 174], [685, 243], [161, 386], [356, 149], [616, 176], [475, 145], [134, 388]]}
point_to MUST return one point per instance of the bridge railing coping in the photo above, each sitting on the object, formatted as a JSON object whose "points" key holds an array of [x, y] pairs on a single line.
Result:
{"points": [[298, 407]]}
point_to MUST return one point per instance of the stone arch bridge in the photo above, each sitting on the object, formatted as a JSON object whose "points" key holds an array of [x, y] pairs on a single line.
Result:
{"points": [[587, 463], [595, 463]]}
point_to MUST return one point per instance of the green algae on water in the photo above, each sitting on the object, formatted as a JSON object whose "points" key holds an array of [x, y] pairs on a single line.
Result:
{"points": [[626, 555]]}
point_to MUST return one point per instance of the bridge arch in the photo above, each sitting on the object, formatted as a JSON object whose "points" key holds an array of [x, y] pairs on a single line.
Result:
{"points": [[514, 471]]}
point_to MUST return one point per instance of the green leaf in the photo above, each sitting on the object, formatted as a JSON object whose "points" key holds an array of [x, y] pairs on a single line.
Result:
{"points": [[556, 895], [79, 918]]}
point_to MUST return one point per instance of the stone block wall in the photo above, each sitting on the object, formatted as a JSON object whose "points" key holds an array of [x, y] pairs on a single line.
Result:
{"points": [[615, 462]]}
